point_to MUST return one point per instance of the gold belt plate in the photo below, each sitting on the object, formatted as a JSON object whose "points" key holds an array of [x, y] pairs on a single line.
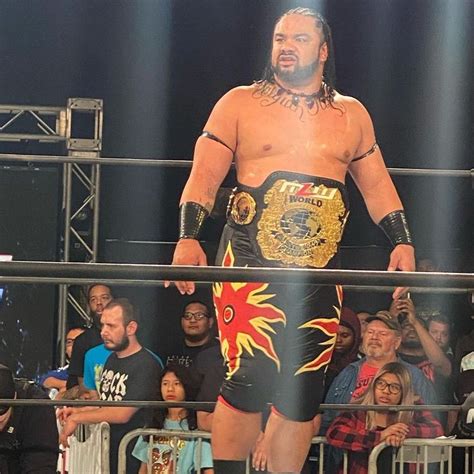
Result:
{"points": [[301, 223], [243, 208]]}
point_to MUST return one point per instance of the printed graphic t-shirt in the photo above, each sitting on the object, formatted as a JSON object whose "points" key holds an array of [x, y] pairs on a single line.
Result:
{"points": [[129, 378], [162, 454], [365, 376]]}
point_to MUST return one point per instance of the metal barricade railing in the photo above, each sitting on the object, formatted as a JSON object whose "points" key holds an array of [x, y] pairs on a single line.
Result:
{"points": [[175, 436], [89, 449], [421, 453]]}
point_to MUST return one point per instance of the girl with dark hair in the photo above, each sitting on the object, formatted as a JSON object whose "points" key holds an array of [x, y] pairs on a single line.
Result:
{"points": [[177, 384], [359, 431]]}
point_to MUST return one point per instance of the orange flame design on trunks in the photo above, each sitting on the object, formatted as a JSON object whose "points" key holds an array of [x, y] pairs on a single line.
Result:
{"points": [[245, 318], [329, 327]]}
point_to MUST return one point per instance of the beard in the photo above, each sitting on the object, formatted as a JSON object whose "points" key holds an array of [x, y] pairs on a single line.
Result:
{"points": [[298, 75], [195, 338], [121, 345], [412, 344]]}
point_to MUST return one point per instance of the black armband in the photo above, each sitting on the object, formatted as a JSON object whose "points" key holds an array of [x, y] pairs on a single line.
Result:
{"points": [[191, 219], [396, 228]]}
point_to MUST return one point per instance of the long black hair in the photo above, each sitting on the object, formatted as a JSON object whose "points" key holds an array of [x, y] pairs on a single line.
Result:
{"points": [[329, 71], [190, 381]]}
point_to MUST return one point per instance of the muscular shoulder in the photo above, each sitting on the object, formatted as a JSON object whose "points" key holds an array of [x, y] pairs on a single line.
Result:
{"points": [[354, 107], [237, 96], [225, 113]]}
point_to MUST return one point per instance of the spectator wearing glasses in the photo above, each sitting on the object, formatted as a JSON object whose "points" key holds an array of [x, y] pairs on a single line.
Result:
{"points": [[197, 323], [380, 342], [360, 431], [57, 379]]}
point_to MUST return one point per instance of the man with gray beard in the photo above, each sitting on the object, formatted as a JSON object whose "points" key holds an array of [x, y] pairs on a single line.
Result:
{"points": [[380, 342]]}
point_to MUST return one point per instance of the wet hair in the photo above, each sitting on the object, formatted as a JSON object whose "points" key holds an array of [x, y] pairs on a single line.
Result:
{"points": [[408, 396], [129, 312], [329, 71], [190, 382]]}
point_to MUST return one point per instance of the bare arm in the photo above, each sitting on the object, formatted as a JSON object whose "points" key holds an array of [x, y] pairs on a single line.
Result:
{"points": [[370, 174], [90, 416], [381, 198], [108, 414], [434, 353], [212, 160], [53, 382], [211, 164]]}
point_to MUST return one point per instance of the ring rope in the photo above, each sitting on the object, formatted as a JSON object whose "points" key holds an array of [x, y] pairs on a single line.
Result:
{"points": [[178, 163], [207, 405], [153, 275]]}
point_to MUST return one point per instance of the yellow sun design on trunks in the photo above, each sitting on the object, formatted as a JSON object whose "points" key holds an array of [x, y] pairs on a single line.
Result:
{"points": [[245, 318]]}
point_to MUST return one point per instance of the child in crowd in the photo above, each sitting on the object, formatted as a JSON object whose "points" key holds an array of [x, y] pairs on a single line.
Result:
{"points": [[177, 383], [359, 431]]}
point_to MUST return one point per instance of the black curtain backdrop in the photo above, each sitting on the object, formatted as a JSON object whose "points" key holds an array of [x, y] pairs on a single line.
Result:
{"points": [[160, 65]]}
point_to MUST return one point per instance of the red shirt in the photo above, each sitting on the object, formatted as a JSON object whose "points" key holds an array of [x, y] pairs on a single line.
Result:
{"points": [[364, 377]]}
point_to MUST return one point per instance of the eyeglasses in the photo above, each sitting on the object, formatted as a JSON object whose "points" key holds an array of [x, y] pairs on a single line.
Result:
{"points": [[196, 316], [393, 388]]}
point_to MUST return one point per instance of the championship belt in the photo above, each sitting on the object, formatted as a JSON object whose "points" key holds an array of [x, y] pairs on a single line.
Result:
{"points": [[301, 223]]}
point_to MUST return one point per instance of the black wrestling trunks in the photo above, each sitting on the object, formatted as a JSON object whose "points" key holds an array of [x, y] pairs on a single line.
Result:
{"points": [[278, 339]]}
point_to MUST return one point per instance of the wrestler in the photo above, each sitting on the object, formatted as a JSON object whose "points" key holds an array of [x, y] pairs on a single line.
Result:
{"points": [[293, 138]]}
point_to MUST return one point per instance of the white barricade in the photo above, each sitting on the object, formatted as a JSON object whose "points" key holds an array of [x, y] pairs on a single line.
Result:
{"points": [[89, 449], [426, 455], [199, 435]]}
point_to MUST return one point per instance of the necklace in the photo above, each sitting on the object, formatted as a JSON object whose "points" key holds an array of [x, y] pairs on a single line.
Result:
{"points": [[309, 99]]}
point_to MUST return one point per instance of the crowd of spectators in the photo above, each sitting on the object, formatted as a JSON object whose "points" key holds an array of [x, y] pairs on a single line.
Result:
{"points": [[391, 356]]}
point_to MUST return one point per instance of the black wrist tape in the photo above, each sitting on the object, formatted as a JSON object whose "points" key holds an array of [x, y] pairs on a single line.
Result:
{"points": [[191, 219], [396, 228]]}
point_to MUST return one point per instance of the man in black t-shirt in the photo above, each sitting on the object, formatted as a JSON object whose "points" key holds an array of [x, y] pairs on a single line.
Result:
{"points": [[130, 373], [98, 297], [420, 349], [28, 434], [210, 366], [197, 323]]}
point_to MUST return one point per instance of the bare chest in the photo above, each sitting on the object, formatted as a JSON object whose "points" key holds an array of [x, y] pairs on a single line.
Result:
{"points": [[302, 133]]}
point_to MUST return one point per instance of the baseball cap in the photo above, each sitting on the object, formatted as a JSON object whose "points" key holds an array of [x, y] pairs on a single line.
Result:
{"points": [[384, 316], [7, 387]]}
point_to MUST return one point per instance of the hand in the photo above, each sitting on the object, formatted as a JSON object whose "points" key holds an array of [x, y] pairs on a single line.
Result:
{"points": [[67, 430], [62, 414], [402, 258], [395, 440], [89, 395], [407, 307], [397, 429], [259, 453], [187, 252]]}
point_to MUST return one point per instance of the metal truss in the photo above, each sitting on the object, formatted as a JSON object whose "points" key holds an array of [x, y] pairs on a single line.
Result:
{"points": [[79, 127]]}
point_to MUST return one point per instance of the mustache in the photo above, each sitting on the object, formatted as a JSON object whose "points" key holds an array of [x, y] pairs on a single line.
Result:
{"points": [[291, 55], [374, 343]]}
